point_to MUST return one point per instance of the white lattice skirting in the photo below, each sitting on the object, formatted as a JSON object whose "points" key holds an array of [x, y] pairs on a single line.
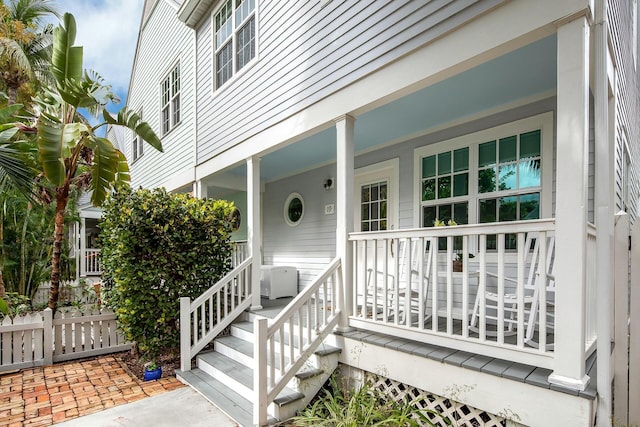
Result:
{"points": [[459, 414]]}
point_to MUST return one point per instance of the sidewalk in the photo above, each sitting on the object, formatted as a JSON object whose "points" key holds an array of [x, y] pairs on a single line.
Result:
{"points": [[52, 394]]}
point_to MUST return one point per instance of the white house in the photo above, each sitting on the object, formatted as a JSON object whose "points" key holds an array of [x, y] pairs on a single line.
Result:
{"points": [[343, 130]]}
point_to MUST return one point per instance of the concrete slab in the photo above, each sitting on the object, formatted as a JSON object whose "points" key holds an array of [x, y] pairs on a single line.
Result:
{"points": [[182, 407]]}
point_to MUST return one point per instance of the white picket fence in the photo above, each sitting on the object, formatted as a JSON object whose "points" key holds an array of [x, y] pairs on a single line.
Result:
{"points": [[41, 339]]}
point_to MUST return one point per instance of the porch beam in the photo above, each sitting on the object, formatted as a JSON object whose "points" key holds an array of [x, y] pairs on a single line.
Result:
{"points": [[571, 203], [254, 232], [344, 212]]}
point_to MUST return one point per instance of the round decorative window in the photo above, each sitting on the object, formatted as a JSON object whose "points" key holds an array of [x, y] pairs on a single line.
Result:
{"points": [[293, 209], [235, 219]]}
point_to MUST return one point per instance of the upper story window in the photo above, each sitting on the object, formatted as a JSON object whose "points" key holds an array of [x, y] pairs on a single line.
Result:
{"points": [[235, 38], [137, 146], [171, 99]]}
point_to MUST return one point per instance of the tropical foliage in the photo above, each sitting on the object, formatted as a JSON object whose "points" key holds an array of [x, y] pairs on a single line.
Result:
{"points": [[339, 406], [155, 248], [70, 151], [25, 47]]}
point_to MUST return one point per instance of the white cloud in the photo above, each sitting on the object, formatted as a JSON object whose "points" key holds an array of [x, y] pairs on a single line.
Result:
{"points": [[107, 30]]}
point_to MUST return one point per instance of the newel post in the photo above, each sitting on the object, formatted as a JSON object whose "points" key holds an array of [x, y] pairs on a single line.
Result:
{"points": [[260, 326], [185, 334]]}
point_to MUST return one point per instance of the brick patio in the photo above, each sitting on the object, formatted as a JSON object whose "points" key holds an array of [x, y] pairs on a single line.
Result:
{"points": [[47, 395]]}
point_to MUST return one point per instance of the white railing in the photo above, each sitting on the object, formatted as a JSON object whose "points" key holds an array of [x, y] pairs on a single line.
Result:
{"points": [[204, 318], [591, 300], [284, 344], [240, 252], [92, 262], [404, 285], [40, 338]]}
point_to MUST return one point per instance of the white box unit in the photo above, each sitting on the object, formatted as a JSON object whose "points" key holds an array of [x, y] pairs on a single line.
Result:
{"points": [[278, 281]]}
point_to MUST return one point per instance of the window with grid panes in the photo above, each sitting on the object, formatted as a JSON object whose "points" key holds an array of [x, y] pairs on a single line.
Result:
{"points": [[475, 179], [373, 206], [234, 39], [171, 99], [509, 181]]}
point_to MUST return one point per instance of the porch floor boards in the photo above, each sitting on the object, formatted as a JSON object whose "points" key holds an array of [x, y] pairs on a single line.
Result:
{"points": [[502, 368]]}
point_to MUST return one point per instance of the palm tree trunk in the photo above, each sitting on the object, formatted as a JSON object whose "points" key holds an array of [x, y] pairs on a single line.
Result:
{"points": [[12, 94], [62, 197]]}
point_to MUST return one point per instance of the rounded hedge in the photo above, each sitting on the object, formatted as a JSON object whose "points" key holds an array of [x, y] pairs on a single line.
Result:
{"points": [[155, 248]]}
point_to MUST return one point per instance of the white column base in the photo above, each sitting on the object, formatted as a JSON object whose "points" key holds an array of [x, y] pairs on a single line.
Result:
{"points": [[570, 383]]}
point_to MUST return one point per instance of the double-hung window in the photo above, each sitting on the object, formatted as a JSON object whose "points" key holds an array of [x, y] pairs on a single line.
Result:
{"points": [[171, 99], [234, 38], [497, 175]]}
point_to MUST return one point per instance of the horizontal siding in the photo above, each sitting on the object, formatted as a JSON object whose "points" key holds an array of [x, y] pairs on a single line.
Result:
{"points": [[310, 245], [627, 132], [307, 53], [163, 41]]}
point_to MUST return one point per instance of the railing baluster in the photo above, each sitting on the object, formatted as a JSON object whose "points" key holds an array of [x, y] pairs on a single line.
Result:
{"points": [[435, 283], [422, 290], [520, 288], [465, 286], [542, 288], [449, 284], [482, 288], [385, 282], [396, 283], [500, 314]]}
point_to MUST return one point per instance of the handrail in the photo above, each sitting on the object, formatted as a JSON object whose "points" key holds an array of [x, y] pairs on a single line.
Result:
{"points": [[312, 326], [204, 318], [460, 230]]}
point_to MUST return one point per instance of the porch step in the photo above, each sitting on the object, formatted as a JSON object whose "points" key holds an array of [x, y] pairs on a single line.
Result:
{"points": [[231, 403], [225, 376], [238, 376]]}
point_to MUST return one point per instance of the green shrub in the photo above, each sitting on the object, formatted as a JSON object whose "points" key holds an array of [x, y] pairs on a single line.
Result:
{"points": [[155, 248]]}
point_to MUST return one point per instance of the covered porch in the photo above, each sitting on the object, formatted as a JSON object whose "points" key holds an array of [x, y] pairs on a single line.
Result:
{"points": [[501, 149]]}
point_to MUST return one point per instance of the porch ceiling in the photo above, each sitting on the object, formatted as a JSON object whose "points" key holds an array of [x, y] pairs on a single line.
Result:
{"points": [[518, 75]]}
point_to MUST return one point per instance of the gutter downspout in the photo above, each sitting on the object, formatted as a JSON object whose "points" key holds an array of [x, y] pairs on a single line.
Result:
{"points": [[604, 215]]}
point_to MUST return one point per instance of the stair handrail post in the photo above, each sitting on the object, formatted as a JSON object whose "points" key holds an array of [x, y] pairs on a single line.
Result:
{"points": [[260, 327], [185, 334]]}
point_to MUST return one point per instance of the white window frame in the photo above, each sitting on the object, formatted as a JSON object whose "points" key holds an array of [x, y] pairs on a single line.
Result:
{"points": [[137, 144], [235, 72], [543, 122], [171, 80]]}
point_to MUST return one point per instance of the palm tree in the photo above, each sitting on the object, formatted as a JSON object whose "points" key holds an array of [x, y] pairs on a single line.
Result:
{"points": [[25, 44], [70, 151]]}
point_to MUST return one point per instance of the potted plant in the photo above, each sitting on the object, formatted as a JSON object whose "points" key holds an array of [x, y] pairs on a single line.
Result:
{"points": [[152, 371]]}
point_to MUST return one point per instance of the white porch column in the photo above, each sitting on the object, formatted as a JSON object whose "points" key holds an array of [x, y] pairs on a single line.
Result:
{"points": [[344, 212], [254, 233], [604, 215], [571, 204]]}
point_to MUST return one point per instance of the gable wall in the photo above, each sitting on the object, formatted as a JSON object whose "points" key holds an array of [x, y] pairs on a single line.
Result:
{"points": [[163, 41]]}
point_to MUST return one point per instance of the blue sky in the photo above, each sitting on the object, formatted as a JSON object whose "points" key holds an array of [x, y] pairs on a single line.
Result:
{"points": [[107, 30]]}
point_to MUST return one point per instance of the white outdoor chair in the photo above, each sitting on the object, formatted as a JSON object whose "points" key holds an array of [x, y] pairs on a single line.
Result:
{"points": [[409, 280], [531, 290]]}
